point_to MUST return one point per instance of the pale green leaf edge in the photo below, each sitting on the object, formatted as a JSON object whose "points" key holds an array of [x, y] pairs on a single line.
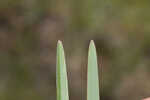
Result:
{"points": [[92, 71], [61, 74]]}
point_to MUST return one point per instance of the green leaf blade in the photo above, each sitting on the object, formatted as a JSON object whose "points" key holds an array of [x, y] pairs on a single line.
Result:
{"points": [[92, 77], [61, 74]]}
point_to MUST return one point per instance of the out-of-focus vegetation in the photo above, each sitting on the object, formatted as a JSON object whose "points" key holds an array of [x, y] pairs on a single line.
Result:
{"points": [[29, 30]]}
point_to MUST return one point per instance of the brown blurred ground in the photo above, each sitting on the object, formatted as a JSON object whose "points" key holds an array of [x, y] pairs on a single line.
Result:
{"points": [[29, 30]]}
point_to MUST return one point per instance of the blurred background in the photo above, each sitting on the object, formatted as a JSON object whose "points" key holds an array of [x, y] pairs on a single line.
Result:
{"points": [[29, 30]]}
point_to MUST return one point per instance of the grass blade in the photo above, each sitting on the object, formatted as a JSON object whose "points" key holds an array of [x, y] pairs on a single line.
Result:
{"points": [[61, 74], [92, 77]]}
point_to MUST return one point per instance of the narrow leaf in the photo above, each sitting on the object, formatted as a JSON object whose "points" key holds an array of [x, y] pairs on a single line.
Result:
{"points": [[92, 77], [61, 74]]}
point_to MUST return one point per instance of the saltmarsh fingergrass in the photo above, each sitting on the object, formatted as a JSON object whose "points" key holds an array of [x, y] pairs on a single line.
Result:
{"points": [[92, 74]]}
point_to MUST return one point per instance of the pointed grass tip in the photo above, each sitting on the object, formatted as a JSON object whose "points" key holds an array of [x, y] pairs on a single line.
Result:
{"points": [[92, 44], [59, 42]]}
